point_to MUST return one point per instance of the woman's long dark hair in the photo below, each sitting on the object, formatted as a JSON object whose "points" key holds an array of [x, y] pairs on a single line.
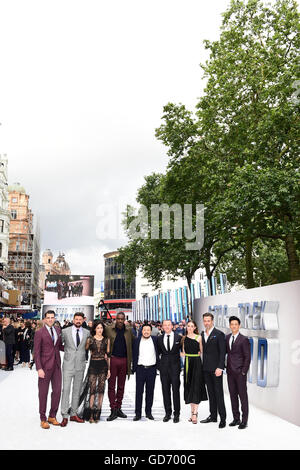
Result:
{"points": [[95, 324], [196, 332]]}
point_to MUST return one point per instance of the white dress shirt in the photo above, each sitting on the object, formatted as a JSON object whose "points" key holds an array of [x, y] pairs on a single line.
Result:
{"points": [[74, 334], [147, 354], [171, 340], [235, 337], [54, 333], [206, 336]]}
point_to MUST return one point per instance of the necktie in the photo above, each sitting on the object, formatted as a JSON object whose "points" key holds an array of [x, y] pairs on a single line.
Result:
{"points": [[232, 341], [168, 343], [77, 338], [52, 334]]}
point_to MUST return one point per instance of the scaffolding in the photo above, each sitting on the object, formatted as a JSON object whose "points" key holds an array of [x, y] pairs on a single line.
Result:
{"points": [[23, 261]]}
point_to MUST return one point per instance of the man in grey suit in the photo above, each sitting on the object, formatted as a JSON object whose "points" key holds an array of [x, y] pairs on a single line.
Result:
{"points": [[74, 339]]}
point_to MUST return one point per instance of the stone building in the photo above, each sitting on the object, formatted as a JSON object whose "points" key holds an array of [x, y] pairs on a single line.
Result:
{"points": [[24, 247]]}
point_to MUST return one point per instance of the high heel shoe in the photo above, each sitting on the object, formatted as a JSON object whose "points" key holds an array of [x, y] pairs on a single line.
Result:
{"points": [[96, 415], [195, 420]]}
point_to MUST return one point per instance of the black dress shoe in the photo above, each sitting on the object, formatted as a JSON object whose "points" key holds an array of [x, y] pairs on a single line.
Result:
{"points": [[149, 416], [176, 419], [242, 426], [9, 368], [166, 418], [113, 415], [222, 424], [120, 413], [235, 422], [208, 420], [136, 418]]}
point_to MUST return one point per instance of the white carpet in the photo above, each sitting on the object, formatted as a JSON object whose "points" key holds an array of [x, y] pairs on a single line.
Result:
{"points": [[20, 425]]}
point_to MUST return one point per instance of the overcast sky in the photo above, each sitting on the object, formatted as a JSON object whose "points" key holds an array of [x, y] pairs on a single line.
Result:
{"points": [[82, 88]]}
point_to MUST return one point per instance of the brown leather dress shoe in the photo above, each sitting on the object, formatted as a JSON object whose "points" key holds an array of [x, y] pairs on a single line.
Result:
{"points": [[64, 422], [76, 419], [53, 421], [45, 425]]}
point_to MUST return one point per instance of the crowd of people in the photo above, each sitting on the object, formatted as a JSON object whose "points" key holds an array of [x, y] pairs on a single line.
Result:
{"points": [[116, 350]]}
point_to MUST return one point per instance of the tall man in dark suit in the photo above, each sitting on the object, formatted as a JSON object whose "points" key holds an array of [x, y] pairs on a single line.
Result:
{"points": [[145, 360], [214, 352], [9, 341], [169, 346], [47, 347], [238, 362]]}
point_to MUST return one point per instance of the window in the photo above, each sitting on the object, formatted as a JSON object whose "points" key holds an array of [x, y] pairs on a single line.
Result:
{"points": [[14, 199], [1, 226], [0, 250], [14, 214]]}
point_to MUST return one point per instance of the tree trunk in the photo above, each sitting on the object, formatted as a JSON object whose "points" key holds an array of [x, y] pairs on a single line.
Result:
{"points": [[293, 259], [249, 265]]}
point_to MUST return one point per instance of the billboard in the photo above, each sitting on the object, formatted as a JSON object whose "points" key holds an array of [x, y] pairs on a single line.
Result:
{"points": [[69, 290], [66, 312]]}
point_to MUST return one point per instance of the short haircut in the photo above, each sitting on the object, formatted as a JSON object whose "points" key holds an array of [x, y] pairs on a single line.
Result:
{"points": [[167, 319], [120, 313], [50, 312], [235, 319], [208, 314], [146, 324], [79, 314]]}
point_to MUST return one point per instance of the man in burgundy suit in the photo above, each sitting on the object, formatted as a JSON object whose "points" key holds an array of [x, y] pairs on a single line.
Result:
{"points": [[238, 362], [47, 347]]}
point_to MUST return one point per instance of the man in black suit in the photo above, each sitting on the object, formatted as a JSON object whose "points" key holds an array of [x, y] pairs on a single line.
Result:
{"points": [[238, 362], [169, 346], [9, 341], [145, 361], [214, 352]]}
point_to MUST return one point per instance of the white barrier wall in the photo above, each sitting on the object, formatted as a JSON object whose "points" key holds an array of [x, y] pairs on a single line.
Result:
{"points": [[270, 317]]}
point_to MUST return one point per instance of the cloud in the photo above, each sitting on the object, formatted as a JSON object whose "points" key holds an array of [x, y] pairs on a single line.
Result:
{"points": [[82, 89]]}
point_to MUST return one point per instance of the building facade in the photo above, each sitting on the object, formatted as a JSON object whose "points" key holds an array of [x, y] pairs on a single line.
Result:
{"points": [[4, 217], [24, 247], [49, 267], [116, 284]]}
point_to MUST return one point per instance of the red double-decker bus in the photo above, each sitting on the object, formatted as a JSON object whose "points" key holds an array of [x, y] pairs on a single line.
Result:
{"points": [[113, 306]]}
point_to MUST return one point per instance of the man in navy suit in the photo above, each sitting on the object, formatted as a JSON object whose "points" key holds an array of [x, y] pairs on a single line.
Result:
{"points": [[145, 361], [214, 352], [238, 362]]}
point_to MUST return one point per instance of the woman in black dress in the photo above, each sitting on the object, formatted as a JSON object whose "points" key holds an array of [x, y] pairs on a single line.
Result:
{"points": [[91, 398], [194, 385], [24, 337]]}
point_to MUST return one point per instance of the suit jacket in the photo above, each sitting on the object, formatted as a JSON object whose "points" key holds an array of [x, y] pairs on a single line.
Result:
{"points": [[46, 354], [74, 358], [9, 335], [136, 351], [214, 351], [239, 357], [169, 360]]}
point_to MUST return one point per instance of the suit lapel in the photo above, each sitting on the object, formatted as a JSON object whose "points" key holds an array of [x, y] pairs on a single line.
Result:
{"points": [[71, 340], [237, 340], [211, 335], [47, 337], [163, 342], [175, 340]]}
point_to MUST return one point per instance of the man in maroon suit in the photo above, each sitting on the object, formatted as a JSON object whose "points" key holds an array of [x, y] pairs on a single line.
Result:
{"points": [[238, 362], [47, 347]]}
